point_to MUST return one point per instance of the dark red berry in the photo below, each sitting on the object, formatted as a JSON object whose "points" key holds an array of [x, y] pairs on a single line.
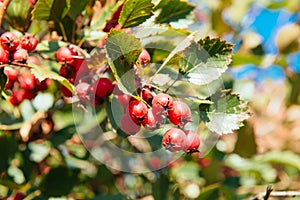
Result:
{"points": [[65, 55], [128, 126], [4, 56], [19, 55], [180, 114], [174, 140], [152, 121], [12, 76], [103, 87], [144, 58], [29, 42], [137, 110], [83, 90], [192, 141], [69, 72], [65, 91], [161, 103], [9, 41], [16, 97]]}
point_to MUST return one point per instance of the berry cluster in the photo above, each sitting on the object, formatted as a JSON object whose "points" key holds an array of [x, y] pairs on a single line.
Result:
{"points": [[23, 85], [14, 49], [89, 87]]}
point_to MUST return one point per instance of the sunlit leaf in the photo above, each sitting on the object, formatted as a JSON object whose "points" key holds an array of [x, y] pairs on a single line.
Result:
{"points": [[51, 9], [135, 12]]}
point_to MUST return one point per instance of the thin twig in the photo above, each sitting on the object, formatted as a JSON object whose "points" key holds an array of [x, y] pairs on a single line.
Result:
{"points": [[3, 10], [268, 192]]}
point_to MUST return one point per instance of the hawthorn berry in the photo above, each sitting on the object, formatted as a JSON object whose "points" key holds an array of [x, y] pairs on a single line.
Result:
{"points": [[33, 60], [65, 91], [174, 140], [192, 141], [4, 56], [29, 42], [83, 90], [128, 126], [16, 97], [146, 93], [161, 103], [137, 110], [123, 99], [65, 55], [152, 121], [9, 41], [27, 81], [69, 72], [20, 55], [103, 87], [180, 114], [144, 58]]}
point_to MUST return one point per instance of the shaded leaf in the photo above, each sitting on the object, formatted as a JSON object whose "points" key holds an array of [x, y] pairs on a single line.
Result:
{"points": [[43, 73], [172, 10], [209, 192], [158, 192], [51, 9], [76, 8], [59, 181], [123, 49], [226, 114], [245, 145], [135, 12], [3, 80], [8, 146]]}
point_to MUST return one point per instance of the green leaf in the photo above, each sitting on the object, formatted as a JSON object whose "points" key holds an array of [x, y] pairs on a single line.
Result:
{"points": [[172, 10], [3, 80], [59, 181], [245, 145], [205, 61], [8, 146], [123, 49], [209, 192], [135, 12], [51, 9], [76, 8], [160, 187], [43, 73], [63, 135], [226, 114]]}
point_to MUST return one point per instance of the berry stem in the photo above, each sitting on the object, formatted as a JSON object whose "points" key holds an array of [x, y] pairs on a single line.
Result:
{"points": [[63, 31], [3, 10]]}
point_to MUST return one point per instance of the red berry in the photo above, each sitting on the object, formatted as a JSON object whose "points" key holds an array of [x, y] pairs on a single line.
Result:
{"points": [[9, 41], [144, 57], [69, 72], [33, 60], [137, 110], [103, 87], [29, 42], [152, 121], [161, 103], [192, 141], [17, 97], [174, 140], [40, 86], [123, 99], [180, 114], [65, 55], [4, 56], [81, 67], [146, 93], [83, 90], [27, 81], [20, 55], [12, 76], [65, 91], [128, 126]]}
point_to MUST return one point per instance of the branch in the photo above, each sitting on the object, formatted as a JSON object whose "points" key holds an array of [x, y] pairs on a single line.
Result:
{"points": [[2, 10], [270, 193]]}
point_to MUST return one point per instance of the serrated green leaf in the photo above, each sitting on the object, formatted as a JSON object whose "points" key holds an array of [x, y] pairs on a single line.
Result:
{"points": [[205, 61], [226, 114], [123, 49], [172, 10], [51, 9], [98, 58], [135, 12], [3, 80], [76, 8], [43, 73]]}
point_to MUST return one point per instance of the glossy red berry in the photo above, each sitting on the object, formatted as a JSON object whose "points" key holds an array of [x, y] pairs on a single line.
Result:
{"points": [[4, 56], [192, 141], [128, 126], [152, 121], [144, 58], [65, 55], [146, 93], [16, 97], [69, 72], [83, 90], [29, 42], [19, 55], [12, 76], [174, 140], [137, 110], [103, 87], [9, 41], [161, 103], [27, 81], [180, 114], [33, 60]]}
